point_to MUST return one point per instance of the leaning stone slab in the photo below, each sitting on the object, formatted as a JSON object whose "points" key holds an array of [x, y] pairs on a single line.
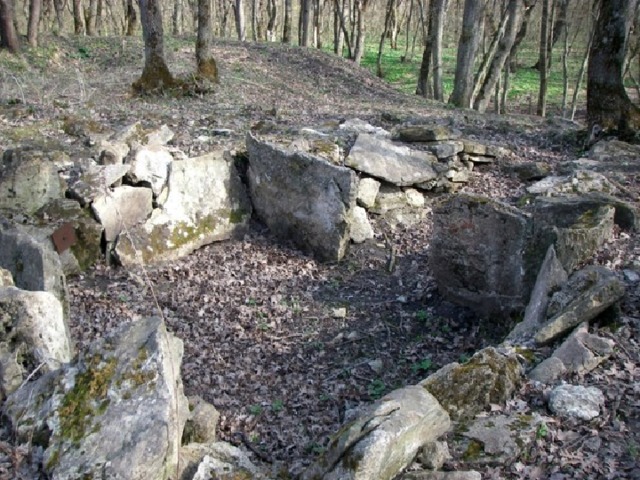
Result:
{"points": [[33, 336], [576, 401], [587, 294], [117, 412], [302, 197], [489, 377], [478, 254], [28, 180], [150, 167], [206, 202], [396, 164], [550, 277], [445, 149], [384, 439], [122, 208]]}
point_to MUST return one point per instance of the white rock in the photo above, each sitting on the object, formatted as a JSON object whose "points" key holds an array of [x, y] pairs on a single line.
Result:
{"points": [[361, 229], [576, 401]]}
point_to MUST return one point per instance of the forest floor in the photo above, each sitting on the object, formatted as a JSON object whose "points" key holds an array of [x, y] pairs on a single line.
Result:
{"points": [[281, 344]]}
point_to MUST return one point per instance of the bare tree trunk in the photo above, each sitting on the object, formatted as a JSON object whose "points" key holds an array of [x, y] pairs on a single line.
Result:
{"points": [[544, 58], [206, 64], [35, 6], [100, 18], [272, 9], [304, 23], [286, 28], [387, 21], [59, 5], [90, 17], [425, 66], [178, 16], [405, 57], [361, 8], [580, 77], [467, 51], [78, 20], [238, 10], [515, 14], [156, 74], [343, 35], [608, 104], [8, 34], [438, 16], [132, 19]]}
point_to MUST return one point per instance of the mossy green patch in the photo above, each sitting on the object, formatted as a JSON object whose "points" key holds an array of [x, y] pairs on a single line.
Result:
{"points": [[473, 451]]}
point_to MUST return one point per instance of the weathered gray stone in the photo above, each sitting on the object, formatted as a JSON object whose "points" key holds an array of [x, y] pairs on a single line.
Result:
{"points": [[384, 438], [302, 198], [206, 202], [150, 166], [95, 182], [433, 455], [28, 180], [122, 209], [389, 198], [588, 293], [577, 226], [579, 182], [477, 254], [489, 377], [113, 153], [445, 149], [576, 401], [396, 164], [116, 413], [548, 371], [361, 228], [367, 192], [359, 126], [550, 277], [426, 133], [33, 335], [34, 266], [458, 475], [160, 136], [529, 171], [6, 279], [218, 460], [202, 422], [471, 147]]}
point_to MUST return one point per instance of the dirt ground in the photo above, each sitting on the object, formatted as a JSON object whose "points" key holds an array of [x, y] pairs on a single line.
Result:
{"points": [[281, 344]]}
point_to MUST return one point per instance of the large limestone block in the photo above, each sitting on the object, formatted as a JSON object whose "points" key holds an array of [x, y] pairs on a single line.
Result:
{"points": [[150, 166], [28, 180], [32, 335], [34, 266], [489, 377], [206, 202], [587, 294], [302, 197], [384, 439], [478, 254], [122, 209], [117, 412], [396, 164]]}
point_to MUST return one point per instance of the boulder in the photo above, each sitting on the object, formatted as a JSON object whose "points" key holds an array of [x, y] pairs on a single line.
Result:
{"points": [[395, 164], [302, 198], [28, 180], [113, 153], [588, 293], [577, 226], [383, 439], [392, 198], [122, 208], [117, 412], [576, 401], [579, 182], [477, 254], [206, 202], [361, 228], [33, 336], [464, 390], [150, 167]]}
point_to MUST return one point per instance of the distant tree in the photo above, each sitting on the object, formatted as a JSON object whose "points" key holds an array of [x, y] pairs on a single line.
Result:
{"points": [[432, 55], [470, 37], [360, 7], [35, 7], [544, 60], [8, 35], [238, 10], [304, 22], [156, 74], [286, 26], [78, 19], [131, 18], [608, 105], [207, 67]]}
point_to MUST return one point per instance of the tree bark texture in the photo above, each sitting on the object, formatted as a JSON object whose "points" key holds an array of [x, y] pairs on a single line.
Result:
{"points": [[90, 17], [35, 7], [78, 19], [439, 8], [238, 10], [467, 50], [286, 27], [544, 58], [427, 55], [8, 34], [358, 52], [132, 19], [607, 102], [156, 74], [207, 67]]}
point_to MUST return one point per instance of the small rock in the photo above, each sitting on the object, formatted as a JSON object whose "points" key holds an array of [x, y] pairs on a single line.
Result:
{"points": [[433, 455], [631, 276], [576, 401], [340, 312]]}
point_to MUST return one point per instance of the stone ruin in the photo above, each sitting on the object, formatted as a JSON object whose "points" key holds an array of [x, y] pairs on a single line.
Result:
{"points": [[140, 202]]}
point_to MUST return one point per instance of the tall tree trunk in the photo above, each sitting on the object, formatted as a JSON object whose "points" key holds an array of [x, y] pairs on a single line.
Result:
{"points": [[178, 16], [8, 34], [341, 36], [467, 51], [559, 25], [59, 5], [35, 6], [304, 22], [387, 22], [238, 10], [132, 19], [361, 8], [286, 27], [407, 37], [427, 55], [438, 16], [272, 8], [544, 58], [607, 102], [78, 19], [515, 14], [207, 67], [156, 74], [90, 17]]}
